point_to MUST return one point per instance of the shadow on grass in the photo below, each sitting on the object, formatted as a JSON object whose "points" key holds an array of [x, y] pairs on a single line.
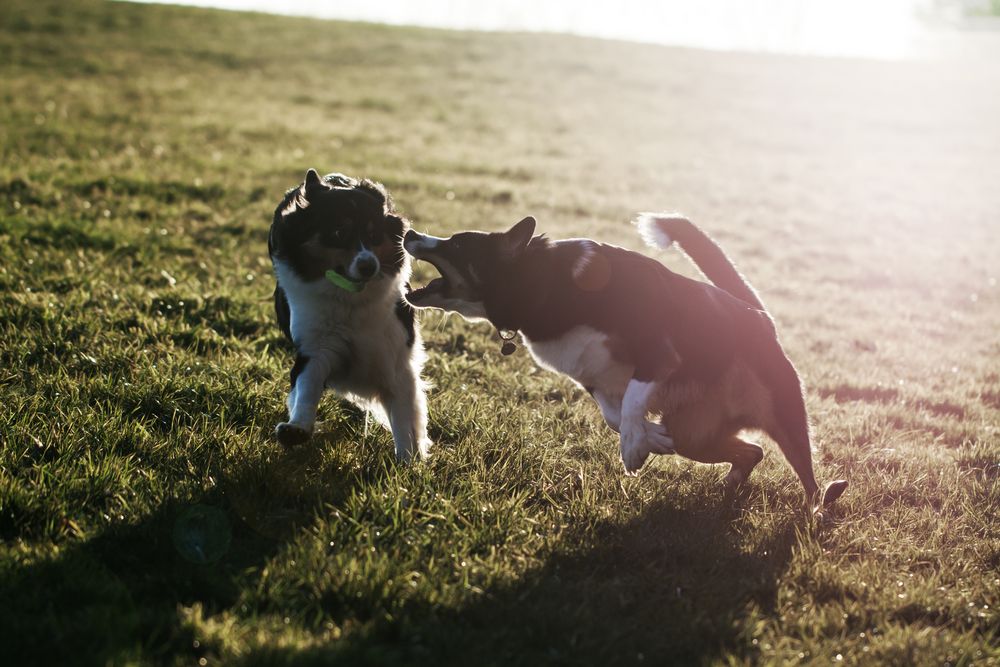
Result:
{"points": [[669, 587], [115, 597]]}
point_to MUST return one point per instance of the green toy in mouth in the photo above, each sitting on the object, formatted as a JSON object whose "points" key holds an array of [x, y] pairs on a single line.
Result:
{"points": [[343, 282]]}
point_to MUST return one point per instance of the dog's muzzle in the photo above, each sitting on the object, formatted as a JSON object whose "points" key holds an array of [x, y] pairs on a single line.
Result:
{"points": [[415, 242], [364, 266]]}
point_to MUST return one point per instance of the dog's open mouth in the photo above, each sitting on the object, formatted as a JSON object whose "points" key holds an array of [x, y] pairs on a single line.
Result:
{"points": [[436, 287], [421, 248]]}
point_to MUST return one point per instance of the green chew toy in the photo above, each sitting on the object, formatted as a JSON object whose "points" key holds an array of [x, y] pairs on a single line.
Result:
{"points": [[343, 282]]}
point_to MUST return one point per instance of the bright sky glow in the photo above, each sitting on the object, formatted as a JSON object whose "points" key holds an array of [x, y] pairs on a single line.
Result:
{"points": [[884, 29]]}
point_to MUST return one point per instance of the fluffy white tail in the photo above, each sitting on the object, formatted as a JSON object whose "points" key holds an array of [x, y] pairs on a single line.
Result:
{"points": [[660, 230], [653, 228]]}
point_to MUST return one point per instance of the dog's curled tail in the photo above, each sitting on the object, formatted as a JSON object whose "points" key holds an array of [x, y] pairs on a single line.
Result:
{"points": [[660, 230]]}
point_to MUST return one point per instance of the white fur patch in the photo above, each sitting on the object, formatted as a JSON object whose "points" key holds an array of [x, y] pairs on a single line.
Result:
{"points": [[652, 232], [582, 354], [635, 403], [587, 251], [639, 437], [420, 241]]}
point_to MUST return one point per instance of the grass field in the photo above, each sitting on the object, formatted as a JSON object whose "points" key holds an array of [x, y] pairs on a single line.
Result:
{"points": [[147, 515]]}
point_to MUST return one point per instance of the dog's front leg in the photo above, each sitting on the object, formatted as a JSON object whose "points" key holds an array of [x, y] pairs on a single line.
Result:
{"points": [[640, 437], [407, 408], [309, 375], [611, 409]]}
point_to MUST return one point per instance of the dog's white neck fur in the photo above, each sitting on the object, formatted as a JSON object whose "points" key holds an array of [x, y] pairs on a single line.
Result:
{"points": [[582, 354], [319, 303]]}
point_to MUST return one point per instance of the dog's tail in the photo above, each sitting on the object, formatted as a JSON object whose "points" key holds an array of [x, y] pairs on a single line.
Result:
{"points": [[660, 230]]}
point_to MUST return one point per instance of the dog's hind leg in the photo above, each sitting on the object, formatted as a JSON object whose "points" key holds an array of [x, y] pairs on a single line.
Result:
{"points": [[744, 456], [788, 425], [798, 451]]}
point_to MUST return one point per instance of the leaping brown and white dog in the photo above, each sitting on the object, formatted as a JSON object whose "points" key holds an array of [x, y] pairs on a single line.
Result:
{"points": [[638, 337]]}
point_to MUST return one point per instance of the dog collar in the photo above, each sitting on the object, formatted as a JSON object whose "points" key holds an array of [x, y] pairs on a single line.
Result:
{"points": [[343, 282]]}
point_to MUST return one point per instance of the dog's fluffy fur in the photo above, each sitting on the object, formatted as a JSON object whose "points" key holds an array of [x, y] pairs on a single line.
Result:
{"points": [[639, 337], [365, 345]]}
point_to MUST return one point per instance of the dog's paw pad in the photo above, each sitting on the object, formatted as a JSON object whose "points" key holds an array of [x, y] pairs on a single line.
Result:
{"points": [[290, 435]]}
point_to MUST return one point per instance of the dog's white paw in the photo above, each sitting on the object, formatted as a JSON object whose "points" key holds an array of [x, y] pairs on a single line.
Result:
{"points": [[290, 435], [412, 454], [639, 440], [634, 451], [425, 448]]}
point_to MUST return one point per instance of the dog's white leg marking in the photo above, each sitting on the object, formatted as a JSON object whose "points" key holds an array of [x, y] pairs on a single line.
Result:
{"points": [[290, 402], [304, 397], [639, 437], [611, 409], [420, 421], [303, 400], [407, 409]]}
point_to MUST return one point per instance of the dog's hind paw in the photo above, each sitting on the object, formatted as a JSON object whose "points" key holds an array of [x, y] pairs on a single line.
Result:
{"points": [[290, 435], [832, 491]]}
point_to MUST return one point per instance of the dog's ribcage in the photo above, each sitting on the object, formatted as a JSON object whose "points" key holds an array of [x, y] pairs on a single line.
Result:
{"points": [[582, 353]]}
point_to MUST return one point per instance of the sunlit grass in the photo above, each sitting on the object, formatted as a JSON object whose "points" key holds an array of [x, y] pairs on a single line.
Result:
{"points": [[141, 373]]}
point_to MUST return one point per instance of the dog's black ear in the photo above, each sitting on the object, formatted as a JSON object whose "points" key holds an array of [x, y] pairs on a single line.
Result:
{"points": [[518, 236], [313, 183]]}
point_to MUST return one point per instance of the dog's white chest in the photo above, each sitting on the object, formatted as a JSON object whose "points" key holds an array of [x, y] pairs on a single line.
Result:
{"points": [[583, 354]]}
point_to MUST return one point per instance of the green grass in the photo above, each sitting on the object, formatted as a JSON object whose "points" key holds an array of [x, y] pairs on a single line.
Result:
{"points": [[141, 372]]}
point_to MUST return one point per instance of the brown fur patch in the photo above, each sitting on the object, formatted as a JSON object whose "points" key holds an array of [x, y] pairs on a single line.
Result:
{"points": [[698, 417]]}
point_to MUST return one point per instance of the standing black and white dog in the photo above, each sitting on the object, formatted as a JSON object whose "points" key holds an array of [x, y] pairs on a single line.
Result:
{"points": [[638, 337], [336, 246]]}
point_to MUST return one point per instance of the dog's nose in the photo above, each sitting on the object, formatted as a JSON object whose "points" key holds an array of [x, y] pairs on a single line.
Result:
{"points": [[411, 237], [367, 266]]}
